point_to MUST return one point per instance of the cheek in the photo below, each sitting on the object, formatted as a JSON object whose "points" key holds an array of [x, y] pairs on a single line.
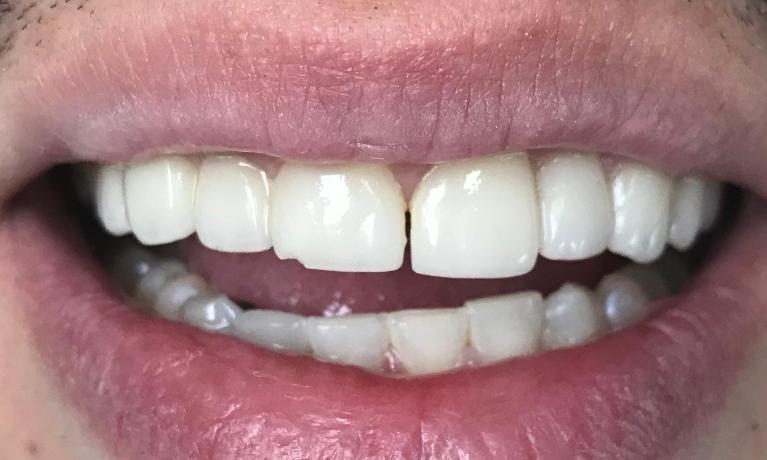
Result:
{"points": [[740, 430], [48, 427]]}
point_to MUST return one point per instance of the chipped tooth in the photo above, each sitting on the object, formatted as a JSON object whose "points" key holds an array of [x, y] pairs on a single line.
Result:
{"points": [[506, 326], [343, 217], [712, 202], [211, 313], [156, 278], [576, 213], [623, 299], [572, 317], [358, 340], [110, 199], [160, 198], [686, 212], [475, 218], [175, 293], [275, 330], [232, 205], [428, 341], [642, 207]]}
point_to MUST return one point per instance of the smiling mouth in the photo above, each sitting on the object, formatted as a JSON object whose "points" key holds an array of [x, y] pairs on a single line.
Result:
{"points": [[477, 225], [322, 241]]}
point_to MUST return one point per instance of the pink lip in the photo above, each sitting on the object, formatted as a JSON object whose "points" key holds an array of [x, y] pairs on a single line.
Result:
{"points": [[419, 82], [160, 390]]}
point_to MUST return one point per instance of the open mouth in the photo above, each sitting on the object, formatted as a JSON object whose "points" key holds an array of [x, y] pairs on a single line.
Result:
{"points": [[404, 253]]}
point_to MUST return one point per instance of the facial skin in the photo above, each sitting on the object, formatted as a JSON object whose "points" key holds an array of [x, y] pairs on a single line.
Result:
{"points": [[38, 421]]}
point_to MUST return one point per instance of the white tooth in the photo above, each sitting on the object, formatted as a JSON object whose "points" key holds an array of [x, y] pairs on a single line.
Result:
{"points": [[712, 202], [623, 299], [686, 212], [348, 217], [211, 313], [642, 207], [275, 330], [358, 340], [232, 205], [160, 196], [110, 199], [576, 213], [428, 341], [475, 219], [175, 293], [156, 278], [572, 317], [505, 326]]}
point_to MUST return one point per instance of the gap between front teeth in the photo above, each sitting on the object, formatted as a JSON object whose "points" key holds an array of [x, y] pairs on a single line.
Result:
{"points": [[485, 217], [409, 342]]}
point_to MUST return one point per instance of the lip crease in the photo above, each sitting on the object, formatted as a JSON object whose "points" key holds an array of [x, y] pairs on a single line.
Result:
{"points": [[415, 82], [162, 390]]}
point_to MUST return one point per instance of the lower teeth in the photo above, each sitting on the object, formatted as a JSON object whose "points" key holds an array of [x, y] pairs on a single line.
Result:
{"points": [[408, 342]]}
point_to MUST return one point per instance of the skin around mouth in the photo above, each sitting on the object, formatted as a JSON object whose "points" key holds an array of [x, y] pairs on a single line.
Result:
{"points": [[676, 85]]}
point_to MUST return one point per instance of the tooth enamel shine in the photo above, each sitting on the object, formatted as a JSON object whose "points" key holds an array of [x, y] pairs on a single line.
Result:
{"points": [[475, 219], [342, 217]]}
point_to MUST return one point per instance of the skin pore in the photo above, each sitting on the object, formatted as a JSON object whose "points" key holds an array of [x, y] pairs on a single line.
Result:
{"points": [[37, 421]]}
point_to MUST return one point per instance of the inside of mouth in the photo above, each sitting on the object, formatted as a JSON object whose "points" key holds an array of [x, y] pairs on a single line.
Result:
{"points": [[402, 270]]}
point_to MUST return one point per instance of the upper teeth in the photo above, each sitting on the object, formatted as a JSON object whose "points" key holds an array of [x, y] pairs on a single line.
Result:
{"points": [[480, 218]]}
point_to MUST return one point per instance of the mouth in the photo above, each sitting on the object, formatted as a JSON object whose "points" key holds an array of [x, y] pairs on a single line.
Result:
{"points": [[333, 242]]}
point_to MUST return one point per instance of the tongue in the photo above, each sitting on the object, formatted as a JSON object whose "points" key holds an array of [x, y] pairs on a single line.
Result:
{"points": [[264, 281]]}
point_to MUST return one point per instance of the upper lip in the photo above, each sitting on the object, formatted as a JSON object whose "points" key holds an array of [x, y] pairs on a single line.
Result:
{"points": [[415, 82]]}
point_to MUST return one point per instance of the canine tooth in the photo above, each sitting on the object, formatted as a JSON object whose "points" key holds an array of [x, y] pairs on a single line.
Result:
{"points": [[686, 212], [275, 330], [358, 340], [428, 341], [232, 205], [175, 293], [211, 313], [156, 278], [475, 218], [505, 326], [712, 202], [576, 213], [642, 206], [160, 198], [348, 217], [572, 317], [623, 299], [110, 199]]}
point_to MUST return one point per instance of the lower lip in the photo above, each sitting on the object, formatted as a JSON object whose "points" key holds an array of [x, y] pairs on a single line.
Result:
{"points": [[154, 389]]}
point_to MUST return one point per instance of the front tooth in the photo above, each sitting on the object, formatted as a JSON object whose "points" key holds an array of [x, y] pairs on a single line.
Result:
{"points": [[505, 326], [687, 212], [358, 340], [572, 317], [642, 208], [211, 313], [475, 219], [160, 199], [576, 214], [232, 205], [347, 217], [177, 292], [428, 341], [275, 330], [110, 199]]}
